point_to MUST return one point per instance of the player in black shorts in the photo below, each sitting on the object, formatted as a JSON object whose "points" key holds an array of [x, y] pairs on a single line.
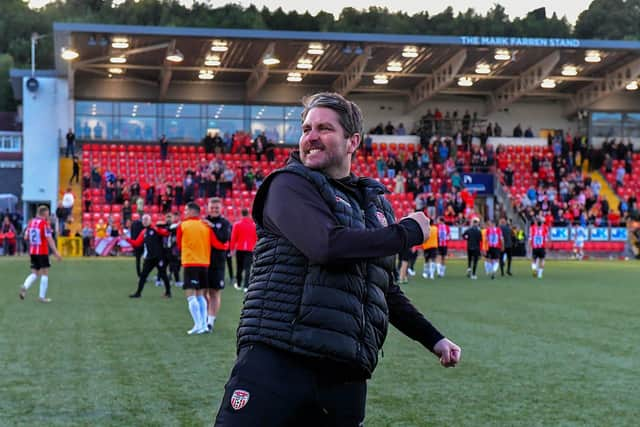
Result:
{"points": [[222, 229]]}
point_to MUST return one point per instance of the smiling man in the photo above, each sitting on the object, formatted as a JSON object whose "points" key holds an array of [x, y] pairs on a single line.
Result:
{"points": [[322, 290]]}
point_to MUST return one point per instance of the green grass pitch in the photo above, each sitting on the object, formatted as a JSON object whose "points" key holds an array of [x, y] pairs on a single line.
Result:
{"points": [[562, 351]]}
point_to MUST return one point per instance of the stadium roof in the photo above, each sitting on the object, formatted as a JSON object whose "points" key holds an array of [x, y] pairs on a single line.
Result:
{"points": [[349, 62]]}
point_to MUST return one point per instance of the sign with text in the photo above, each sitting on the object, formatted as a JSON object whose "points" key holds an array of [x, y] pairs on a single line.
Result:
{"points": [[599, 234], [559, 234], [518, 41], [619, 234], [479, 183], [582, 232]]}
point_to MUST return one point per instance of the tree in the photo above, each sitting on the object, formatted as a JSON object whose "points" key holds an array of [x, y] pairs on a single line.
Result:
{"points": [[7, 102], [610, 19]]}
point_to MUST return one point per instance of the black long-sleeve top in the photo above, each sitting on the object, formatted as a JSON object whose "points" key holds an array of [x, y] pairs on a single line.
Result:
{"points": [[295, 210]]}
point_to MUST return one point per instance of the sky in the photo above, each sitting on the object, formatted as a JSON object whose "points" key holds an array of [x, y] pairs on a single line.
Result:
{"points": [[514, 8]]}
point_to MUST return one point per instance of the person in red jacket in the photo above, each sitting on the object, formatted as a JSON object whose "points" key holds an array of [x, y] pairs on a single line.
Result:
{"points": [[243, 241]]}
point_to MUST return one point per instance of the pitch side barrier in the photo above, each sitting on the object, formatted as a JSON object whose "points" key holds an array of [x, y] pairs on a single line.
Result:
{"points": [[604, 241]]}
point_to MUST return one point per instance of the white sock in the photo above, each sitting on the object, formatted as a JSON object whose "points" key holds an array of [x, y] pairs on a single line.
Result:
{"points": [[431, 268], [438, 268], [486, 267], [443, 268], [534, 266], [44, 284], [194, 309], [202, 302], [540, 272], [29, 280], [211, 320], [496, 266]]}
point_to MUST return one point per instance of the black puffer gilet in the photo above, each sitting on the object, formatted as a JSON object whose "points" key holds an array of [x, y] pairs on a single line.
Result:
{"points": [[334, 312]]}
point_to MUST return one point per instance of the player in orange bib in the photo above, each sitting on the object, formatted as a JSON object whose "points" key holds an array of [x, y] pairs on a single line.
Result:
{"points": [[430, 253]]}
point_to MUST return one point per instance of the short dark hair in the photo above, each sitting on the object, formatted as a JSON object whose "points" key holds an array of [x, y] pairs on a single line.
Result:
{"points": [[349, 113], [215, 200], [193, 206], [245, 212]]}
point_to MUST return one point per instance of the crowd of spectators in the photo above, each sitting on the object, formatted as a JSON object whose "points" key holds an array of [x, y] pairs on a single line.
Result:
{"points": [[240, 142], [11, 228], [561, 193]]}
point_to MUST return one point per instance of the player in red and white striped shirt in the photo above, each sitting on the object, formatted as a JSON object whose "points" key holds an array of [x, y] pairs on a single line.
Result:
{"points": [[38, 234], [495, 243], [538, 236], [443, 239]]}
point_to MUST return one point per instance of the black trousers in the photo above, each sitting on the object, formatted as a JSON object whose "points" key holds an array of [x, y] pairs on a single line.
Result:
{"points": [[147, 267], [271, 388], [508, 253], [243, 267], [230, 265], [472, 260], [138, 253], [174, 267]]}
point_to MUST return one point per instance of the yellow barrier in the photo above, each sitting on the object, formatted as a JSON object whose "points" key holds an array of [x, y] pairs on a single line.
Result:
{"points": [[70, 246]]}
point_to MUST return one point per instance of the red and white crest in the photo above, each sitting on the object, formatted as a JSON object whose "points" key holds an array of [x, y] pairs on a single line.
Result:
{"points": [[239, 399], [381, 218]]}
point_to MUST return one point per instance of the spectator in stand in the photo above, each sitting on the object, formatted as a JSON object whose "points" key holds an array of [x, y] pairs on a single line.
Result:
{"points": [[508, 176], [101, 229], [259, 145], [218, 143], [380, 166], [178, 192], [109, 193], [517, 131], [497, 130], [164, 147], [249, 179], [620, 172], [368, 145], [61, 217], [67, 202], [227, 182], [443, 152], [8, 236], [401, 130], [400, 182], [71, 143], [76, 171], [378, 130], [87, 236], [96, 178], [189, 188], [389, 129], [140, 205], [528, 133], [392, 166], [437, 118], [126, 211], [259, 178], [466, 120], [207, 143], [628, 162]]}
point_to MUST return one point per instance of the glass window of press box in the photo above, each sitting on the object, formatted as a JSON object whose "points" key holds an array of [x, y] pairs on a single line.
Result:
{"points": [[615, 125], [183, 122]]}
